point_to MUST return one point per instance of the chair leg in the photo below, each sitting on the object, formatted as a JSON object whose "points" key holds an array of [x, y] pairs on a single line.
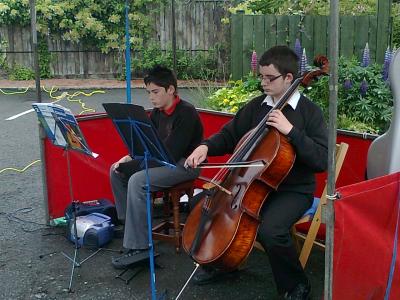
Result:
{"points": [[310, 239], [163, 230], [166, 208], [175, 197]]}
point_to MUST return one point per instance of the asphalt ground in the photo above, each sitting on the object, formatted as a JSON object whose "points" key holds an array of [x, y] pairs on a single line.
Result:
{"points": [[31, 263]]}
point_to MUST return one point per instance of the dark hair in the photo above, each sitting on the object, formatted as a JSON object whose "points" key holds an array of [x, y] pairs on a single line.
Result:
{"points": [[161, 76], [283, 58]]}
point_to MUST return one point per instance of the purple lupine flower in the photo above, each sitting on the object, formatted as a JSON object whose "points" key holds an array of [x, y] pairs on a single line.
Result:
{"points": [[347, 85], [254, 62], [388, 54], [365, 58], [385, 72], [303, 62], [297, 49], [386, 64], [363, 87]]}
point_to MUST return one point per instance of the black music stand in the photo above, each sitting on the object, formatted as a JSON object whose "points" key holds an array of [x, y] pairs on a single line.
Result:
{"points": [[63, 130], [141, 138]]}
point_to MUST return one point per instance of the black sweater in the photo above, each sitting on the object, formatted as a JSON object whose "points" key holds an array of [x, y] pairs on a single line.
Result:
{"points": [[181, 131], [309, 138]]}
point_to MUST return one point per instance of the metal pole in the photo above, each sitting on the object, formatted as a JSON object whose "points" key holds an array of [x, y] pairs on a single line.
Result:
{"points": [[127, 54], [150, 226], [173, 33], [333, 93], [35, 50], [42, 137]]}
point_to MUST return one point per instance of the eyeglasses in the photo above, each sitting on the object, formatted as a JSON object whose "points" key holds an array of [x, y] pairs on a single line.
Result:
{"points": [[269, 78]]}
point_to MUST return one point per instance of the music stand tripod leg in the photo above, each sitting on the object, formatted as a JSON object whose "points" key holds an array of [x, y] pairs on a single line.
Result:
{"points": [[74, 262], [63, 130], [75, 259]]}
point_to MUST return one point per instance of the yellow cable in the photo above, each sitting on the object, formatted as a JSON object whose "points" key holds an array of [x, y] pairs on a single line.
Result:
{"points": [[88, 94], [64, 95], [53, 90], [70, 98], [20, 170], [13, 93], [82, 104]]}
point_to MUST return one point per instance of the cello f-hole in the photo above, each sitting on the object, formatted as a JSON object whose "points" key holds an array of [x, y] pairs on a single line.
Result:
{"points": [[235, 199]]}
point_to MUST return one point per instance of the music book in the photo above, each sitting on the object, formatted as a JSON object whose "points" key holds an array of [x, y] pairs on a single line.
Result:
{"points": [[61, 127]]}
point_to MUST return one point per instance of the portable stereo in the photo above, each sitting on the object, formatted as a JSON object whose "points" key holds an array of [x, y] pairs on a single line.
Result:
{"points": [[93, 230]]}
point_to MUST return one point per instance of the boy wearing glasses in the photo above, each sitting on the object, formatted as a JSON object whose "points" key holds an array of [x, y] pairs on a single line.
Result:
{"points": [[302, 122]]}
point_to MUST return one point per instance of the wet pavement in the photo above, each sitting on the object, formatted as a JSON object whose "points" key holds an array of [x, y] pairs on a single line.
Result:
{"points": [[31, 263]]}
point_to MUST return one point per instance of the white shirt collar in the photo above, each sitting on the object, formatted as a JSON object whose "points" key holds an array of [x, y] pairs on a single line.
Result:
{"points": [[292, 101]]}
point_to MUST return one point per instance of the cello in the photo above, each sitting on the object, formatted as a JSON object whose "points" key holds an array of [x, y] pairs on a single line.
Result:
{"points": [[382, 158], [221, 229]]}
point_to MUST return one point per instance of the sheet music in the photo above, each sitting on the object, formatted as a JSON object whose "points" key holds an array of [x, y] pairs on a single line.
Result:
{"points": [[61, 127], [138, 133]]}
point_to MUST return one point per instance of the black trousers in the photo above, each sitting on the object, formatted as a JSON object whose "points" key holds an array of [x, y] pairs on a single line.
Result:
{"points": [[280, 211]]}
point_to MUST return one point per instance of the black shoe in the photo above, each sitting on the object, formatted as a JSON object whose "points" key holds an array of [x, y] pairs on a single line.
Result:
{"points": [[209, 275], [301, 292], [131, 257]]}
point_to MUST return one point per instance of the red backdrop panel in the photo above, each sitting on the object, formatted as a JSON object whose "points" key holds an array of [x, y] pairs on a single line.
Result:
{"points": [[365, 224], [90, 178]]}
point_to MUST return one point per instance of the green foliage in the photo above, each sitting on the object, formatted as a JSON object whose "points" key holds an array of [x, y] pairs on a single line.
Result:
{"points": [[257, 7], [372, 110], [369, 113], [18, 72], [235, 95], [3, 57], [349, 123], [95, 22], [152, 55], [44, 58], [396, 24], [302, 7], [318, 92], [266, 7], [200, 65], [321, 7], [14, 12]]}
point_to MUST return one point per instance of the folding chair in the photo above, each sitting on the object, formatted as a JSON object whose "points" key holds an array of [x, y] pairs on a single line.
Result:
{"points": [[316, 219], [314, 214]]}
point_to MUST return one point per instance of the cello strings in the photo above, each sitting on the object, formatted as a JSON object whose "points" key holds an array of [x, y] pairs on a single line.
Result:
{"points": [[245, 147]]}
